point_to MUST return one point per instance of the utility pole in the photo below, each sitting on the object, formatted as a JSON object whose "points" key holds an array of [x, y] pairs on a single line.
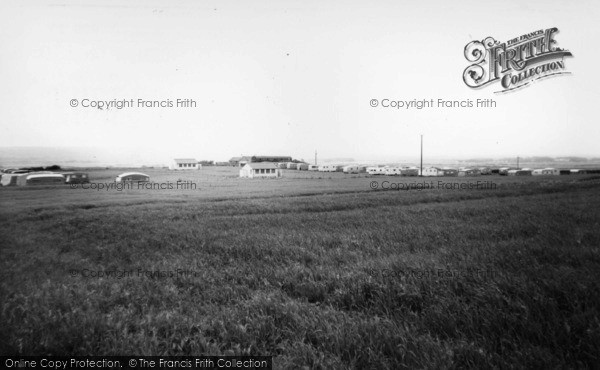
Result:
{"points": [[518, 163], [421, 174], [315, 157]]}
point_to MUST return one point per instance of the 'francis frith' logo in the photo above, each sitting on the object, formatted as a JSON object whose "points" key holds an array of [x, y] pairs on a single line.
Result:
{"points": [[514, 63]]}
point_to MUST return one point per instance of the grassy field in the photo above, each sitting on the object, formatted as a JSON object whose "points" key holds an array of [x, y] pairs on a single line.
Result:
{"points": [[315, 269]]}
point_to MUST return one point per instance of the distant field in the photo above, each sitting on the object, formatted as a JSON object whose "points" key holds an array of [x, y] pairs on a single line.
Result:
{"points": [[315, 269]]}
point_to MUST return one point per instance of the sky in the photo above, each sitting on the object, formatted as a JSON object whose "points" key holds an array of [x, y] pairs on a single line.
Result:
{"points": [[288, 78]]}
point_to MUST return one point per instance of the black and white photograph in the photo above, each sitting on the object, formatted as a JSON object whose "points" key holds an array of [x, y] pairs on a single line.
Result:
{"points": [[299, 184]]}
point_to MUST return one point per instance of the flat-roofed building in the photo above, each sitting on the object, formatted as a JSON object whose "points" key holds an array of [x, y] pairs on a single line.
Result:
{"points": [[184, 164], [260, 170]]}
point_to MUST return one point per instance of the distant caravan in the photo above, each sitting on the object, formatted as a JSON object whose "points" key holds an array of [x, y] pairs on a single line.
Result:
{"points": [[469, 172], [376, 170], [327, 168], [302, 166], [393, 171], [578, 172], [351, 169], [546, 172], [449, 172], [432, 171], [76, 178], [132, 177], [503, 171], [524, 172], [313, 167], [410, 172], [41, 179], [10, 179], [292, 166]]}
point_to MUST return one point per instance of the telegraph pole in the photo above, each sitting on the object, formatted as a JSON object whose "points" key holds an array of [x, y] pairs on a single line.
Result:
{"points": [[518, 163], [315, 157], [421, 174]]}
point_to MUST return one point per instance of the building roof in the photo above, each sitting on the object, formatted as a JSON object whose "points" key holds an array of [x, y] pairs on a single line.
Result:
{"points": [[261, 165], [44, 175], [185, 160], [132, 174], [274, 157]]}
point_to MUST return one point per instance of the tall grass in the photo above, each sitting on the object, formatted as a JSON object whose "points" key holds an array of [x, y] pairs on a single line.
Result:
{"points": [[348, 279]]}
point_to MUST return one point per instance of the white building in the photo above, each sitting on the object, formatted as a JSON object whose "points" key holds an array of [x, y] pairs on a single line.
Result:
{"points": [[260, 170], [184, 164], [313, 167]]}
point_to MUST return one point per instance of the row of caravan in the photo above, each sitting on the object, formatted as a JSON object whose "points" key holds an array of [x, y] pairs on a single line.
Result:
{"points": [[297, 166], [54, 178], [310, 167], [20, 178], [428, 171], [393, 171], [371, 170], [540, 172], [351, 169]]}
